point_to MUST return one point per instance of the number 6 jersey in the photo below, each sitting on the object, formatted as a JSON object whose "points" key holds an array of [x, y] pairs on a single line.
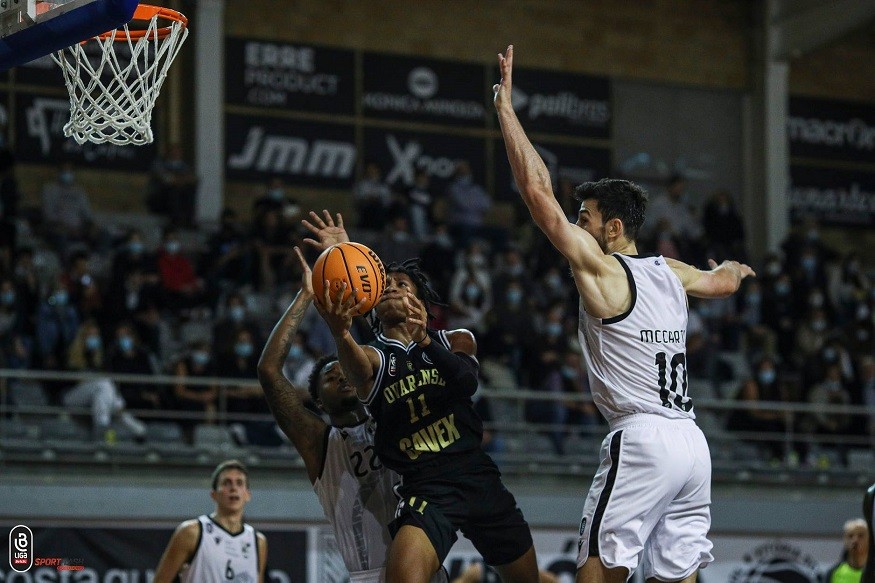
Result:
{"points": [[637, 360]]}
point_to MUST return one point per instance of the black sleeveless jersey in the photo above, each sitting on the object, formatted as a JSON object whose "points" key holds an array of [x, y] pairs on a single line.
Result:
{"points": [[421, 421]]}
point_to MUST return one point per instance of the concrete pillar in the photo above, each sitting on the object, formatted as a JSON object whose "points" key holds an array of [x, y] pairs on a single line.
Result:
{"points": [[208, 32]]}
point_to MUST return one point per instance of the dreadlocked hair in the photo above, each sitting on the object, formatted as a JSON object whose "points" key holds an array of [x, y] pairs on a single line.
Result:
{"points": [[424, 291]]}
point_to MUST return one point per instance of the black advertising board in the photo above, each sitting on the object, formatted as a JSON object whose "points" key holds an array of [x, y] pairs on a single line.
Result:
{"points": [[831, 130], [43, 71], [577, 164], [131, 554], [834, 197], [301, 153], [4, 119], [562, 103], [40, 121], [400, 154], [423, 90], [303, 77]]}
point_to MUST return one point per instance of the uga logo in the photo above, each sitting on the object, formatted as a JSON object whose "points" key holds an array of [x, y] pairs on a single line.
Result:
{"points": [[20, 548], [392, 365]]}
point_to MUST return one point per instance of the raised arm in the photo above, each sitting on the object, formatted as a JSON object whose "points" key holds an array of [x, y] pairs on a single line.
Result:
{"points": [[721, 281], [534, 183], [178, 552], [305, 430]]}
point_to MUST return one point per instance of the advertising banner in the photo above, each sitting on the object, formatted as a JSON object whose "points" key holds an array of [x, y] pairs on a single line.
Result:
{"points": [[561, 103], [400, 154], [576, 164], [424, 90], [301, 153], [127, 555], [832, 196], [831, 130], [40, 121], [274, 74]]}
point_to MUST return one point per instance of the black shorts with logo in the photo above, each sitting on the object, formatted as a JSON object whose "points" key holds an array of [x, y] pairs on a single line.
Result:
{"points": [[466, 495]]}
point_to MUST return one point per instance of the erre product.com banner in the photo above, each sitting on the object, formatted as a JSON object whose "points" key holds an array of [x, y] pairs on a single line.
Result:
{"points": [[831, 130], [130, 555], [275, 74]]}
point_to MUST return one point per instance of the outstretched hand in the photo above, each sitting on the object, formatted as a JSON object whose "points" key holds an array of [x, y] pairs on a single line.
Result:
{"points": [[743, 269], [326, 230], [338, 312], [503, 88], [306, 274]]}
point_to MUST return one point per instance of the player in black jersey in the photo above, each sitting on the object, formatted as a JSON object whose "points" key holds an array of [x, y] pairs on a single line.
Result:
{"points": [[418, 385]]}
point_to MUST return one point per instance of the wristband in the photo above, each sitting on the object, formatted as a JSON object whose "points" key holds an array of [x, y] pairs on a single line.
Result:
{"points": [[422, 339]]}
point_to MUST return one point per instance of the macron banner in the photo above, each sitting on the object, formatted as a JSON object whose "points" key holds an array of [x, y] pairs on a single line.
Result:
{"points": [[275, 74]]}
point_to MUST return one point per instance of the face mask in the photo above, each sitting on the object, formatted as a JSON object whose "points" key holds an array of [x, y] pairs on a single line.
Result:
{"points": [[243, 349], [400, 236], [8, 298], [829, 353], [809, 263], [773, 268], [276, 194], [465, 180], [60, 298], [135, 247], [515, 270], [296, 351], [554, 329], [172, 247], [126, 343], [477, 260], [568, 372], [175, 164], [553, 281], [443, 240], [514, 296], [66, 178], [472, 291], [813, 235], [92, 342], [237, 313], [818, 325], [862, 312], [862, 335], [782, 288], [767, 377], [200, 357], [754, 298]]}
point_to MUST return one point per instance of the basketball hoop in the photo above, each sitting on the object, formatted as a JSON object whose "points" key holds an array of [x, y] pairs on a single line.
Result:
{"points": [[111, 99]]}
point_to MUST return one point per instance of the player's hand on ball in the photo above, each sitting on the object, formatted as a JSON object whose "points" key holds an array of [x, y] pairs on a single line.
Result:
{"points": [[338, 312], [306, 276], [327, 231], [417, 317], [503, 88]]}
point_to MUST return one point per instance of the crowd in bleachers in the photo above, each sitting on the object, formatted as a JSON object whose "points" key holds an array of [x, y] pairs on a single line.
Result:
{"points": [[77, 294]]}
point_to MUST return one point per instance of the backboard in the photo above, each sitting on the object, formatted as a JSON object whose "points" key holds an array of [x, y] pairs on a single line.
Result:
{"points": [[30, 29]]}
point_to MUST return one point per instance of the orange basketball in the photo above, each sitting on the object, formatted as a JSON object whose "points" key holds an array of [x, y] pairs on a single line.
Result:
{"points": [[354, 264]]}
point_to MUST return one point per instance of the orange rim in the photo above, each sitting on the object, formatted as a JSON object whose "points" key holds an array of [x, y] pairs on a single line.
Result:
{"points": [[146, 12]]}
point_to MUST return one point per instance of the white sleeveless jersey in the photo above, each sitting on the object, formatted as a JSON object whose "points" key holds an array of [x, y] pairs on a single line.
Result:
{"points": [[222, 557], [637, 361], [357, 497]]}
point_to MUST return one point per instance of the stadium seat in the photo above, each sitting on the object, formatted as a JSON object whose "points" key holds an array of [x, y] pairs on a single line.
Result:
{"points": [[62, 429], [17, 429], [164, 432], [27, 393], [861, 460], [214, 439]]}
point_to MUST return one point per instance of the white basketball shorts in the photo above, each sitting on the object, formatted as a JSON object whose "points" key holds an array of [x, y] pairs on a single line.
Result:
{"points": [[650, 499]]}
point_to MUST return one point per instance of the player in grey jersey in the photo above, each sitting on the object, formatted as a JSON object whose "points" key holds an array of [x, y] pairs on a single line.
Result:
{"points": [[650, 499], [354, 488]]}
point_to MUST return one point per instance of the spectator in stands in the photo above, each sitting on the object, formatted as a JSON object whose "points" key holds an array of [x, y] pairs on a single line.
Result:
{"points": [[831, 391], [27, 288], [9, 198], [850, 288], [172, 188], [670, 213], [56, 325], [860, 331], [468, 204], [236, 318], [854, 555], [99, 394], [276, 199], [397, 242], [779, 312], [809, 273], [575, 382], [131, 256], [273, 242], [128, 356], [229, 260], [372, 199], [757, 339], [509, 329], [805, 236], [85, 293], [181, 287], [867, 387], [470, 296], [242, 363], [66, 211], [551, 287], [723, 227], [511, 267], [548, 352], [200, 400], [12, 310], [300, 361], [811, 335], [764, 386], [419, 205]]}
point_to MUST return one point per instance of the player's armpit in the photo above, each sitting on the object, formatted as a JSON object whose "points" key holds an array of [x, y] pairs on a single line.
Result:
{"points": [[179, 551]]}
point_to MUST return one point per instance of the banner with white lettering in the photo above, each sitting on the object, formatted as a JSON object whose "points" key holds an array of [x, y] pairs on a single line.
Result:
{"points": [[833, 130], [421, 89], [275, 74], [561, 103], [400, 154], [301, 153], [39, 138], [130, 555], [832, 196], [577, 164]]}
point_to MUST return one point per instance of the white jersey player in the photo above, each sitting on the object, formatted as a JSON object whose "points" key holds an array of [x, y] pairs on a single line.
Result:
{"points": [[218, 548], [649, 502], [354, 488]]}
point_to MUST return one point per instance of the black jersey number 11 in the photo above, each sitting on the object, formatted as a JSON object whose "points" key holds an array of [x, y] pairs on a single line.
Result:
{"points": [[666, 390], [424, 412]]}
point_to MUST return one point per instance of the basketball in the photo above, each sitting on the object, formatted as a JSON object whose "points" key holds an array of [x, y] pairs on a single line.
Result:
{"points": [[355, 264]]}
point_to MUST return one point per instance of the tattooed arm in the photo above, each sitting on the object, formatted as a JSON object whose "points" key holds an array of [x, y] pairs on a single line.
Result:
{"points": [[307, 431]]}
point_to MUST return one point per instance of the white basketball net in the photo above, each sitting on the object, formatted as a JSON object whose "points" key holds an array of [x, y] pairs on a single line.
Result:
{"points": [[111, 99]]}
